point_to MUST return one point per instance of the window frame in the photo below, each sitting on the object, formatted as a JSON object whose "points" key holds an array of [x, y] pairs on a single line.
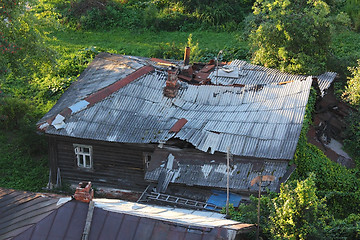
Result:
{"points": [[81, 155]]}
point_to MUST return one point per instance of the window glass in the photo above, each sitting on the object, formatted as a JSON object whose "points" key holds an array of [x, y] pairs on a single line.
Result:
{"points": [[83, 155]]}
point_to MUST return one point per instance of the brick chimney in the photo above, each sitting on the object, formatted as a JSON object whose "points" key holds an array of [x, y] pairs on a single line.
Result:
{"points": [[84, 192], [172, 85], [187, 56]]}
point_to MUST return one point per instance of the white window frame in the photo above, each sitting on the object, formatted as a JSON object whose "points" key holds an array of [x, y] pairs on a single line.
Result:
{"points": [[84, 156]]}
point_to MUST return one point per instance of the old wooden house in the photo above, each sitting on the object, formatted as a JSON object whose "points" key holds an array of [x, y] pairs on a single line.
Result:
{"points": [[128, 121]]}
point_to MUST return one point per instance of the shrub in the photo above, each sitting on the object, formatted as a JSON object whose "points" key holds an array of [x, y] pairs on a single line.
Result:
{"points": [[352, 136], [13, 111], [298, 213]]}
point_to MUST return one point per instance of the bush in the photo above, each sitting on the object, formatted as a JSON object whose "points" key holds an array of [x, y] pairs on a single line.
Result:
{"points": [[13, 112], [346, 229], [298, 213], [352, 136]]}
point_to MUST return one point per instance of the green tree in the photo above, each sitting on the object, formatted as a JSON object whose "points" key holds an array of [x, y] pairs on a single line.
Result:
{"points": [[352, 90], [297, 213], [293, 36], [21, 46]]}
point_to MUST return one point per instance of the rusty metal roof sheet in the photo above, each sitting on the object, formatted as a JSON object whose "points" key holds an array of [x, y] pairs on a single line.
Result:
{"points": [[211, 171], [256, 121], [21, 210], [116, 219]]}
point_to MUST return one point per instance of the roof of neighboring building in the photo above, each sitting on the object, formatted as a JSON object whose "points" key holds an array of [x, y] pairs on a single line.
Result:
{"points": [[120, 99], [116, 219], [21, 210]]}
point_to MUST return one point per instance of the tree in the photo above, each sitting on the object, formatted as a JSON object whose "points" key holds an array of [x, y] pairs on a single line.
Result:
{"points": [[293, 36], [297, 213], [21, 46], [352, 90]]}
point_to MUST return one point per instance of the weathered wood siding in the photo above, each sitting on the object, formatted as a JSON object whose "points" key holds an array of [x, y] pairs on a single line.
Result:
{"points": [[114, 164]]}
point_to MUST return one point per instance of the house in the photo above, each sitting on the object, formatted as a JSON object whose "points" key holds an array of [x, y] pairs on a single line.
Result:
{"points": [[25, 215], [128, 121]]}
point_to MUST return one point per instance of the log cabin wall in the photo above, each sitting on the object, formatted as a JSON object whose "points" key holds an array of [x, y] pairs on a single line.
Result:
{"points": [[115, 165]]}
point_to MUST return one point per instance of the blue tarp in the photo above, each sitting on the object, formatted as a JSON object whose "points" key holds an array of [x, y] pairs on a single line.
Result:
{"points": [[218, 198]]}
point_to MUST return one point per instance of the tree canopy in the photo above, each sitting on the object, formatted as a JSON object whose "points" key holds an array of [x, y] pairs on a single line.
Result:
{"points": [[21, 45], [297, 213], [293, 36]]}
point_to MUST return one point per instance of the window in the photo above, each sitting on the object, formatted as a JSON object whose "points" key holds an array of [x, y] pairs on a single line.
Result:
{"points": [[147, 159], [83, 155]]}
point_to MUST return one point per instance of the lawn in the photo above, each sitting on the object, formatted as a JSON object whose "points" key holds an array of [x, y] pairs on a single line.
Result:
{"points": [[140, 43]]}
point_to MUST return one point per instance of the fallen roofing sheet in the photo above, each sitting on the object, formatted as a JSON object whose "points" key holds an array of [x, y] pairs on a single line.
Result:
{"points": [[262, 121], [21, 210], [116, 219], [325, 81], [207, 171]]}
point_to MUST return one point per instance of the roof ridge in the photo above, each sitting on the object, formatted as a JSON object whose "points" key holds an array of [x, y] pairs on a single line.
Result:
{"points": [[92, 99]]}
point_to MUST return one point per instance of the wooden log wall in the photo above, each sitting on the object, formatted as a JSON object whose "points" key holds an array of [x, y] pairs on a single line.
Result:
{"points": [[115, 165]]}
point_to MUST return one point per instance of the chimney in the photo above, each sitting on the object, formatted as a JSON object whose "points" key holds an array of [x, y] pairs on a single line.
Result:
{"points": [[187, 56], [84, 192], [172, 85]]}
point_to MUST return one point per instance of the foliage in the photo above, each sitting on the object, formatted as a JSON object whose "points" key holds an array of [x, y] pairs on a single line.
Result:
{"points": [[349, 228], [293, 36], [20, 41], [176, 52], [157, 15], [297, 213], [18, 170], [352, 90], [352, 8], [247, 213], [334, 181], [12, 112], [352, 136]]}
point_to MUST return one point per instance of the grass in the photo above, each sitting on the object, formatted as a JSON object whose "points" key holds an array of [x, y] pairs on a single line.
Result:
{"points": [[141, 43]]}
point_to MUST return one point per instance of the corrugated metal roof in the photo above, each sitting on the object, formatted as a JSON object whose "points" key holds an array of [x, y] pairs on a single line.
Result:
{"points": [[249, 74], [21, 210], [325, 81], [256, 121], [191, 170], [116, 219]]}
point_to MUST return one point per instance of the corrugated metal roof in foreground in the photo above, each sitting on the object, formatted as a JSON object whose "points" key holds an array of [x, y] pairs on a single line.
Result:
{"points": [[21, 210], [116, 219], [257, 122]]}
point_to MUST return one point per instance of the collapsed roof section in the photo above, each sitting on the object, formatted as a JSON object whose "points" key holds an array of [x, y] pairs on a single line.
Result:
{"points": [[193, 169], [121, 99]]}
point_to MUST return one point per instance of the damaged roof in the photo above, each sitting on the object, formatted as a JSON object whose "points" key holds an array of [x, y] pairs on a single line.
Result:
{"points": [[190, 168], [243, 73], [120, 99]]}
